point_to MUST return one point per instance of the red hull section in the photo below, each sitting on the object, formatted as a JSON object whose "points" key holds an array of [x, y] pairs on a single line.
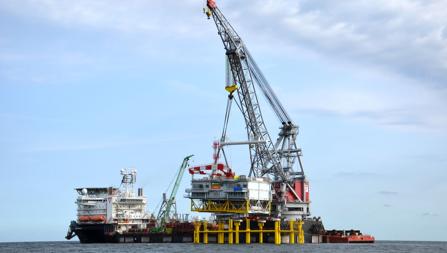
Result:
{"points": [[347, 237]]}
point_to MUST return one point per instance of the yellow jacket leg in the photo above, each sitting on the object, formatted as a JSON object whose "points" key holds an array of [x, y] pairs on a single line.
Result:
{"points": [[247, 231], [292, 232]]}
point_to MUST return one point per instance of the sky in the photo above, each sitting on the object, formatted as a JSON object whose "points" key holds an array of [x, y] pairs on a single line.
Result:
{"points": [[90, 87]]}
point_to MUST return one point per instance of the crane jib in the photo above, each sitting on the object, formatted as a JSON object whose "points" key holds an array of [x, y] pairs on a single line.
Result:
{"points": [[267, 158]]}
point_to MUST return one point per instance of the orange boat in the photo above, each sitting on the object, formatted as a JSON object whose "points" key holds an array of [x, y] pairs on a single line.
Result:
{"points": [[92, 218], [347, 236]]}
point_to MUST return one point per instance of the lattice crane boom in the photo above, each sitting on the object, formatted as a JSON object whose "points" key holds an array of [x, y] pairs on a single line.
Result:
{"points": [[241, 72], [275, 159]]}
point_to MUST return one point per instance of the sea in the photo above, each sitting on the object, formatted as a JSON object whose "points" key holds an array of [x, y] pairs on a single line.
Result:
{"points": [[379, 247]]}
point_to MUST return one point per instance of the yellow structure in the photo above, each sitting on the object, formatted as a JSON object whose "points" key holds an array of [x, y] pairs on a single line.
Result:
{"points": [[232, 233], [197, 232], [231, 88], [277, 232], [300, 232], [261, 231], [220, 234], [226, 206], [237, 223], [291, 232], [205, 232], [220, 207]]}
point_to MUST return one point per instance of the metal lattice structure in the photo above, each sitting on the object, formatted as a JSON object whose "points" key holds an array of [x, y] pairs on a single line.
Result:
{"points": [[268, 158]]}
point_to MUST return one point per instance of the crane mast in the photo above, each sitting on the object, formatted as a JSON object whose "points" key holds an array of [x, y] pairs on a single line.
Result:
{"points": [[169, 204], [268, 158]]}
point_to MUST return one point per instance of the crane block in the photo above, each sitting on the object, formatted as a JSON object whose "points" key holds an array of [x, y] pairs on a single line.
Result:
{"points": [[211, 4], [231, 88]]}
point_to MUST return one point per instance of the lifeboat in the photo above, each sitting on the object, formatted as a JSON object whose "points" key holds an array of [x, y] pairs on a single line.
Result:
{"points": [[84, 218], [98, 218], [92, 218]]}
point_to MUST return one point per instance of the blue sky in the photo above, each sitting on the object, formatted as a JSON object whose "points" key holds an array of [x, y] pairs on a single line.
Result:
{"points": [[90, 87]]}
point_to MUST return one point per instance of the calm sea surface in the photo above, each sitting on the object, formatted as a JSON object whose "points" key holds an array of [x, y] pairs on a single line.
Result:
{"points": [[381, 246]]}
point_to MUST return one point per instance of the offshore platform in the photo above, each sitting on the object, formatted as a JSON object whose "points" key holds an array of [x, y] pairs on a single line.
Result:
{"points": [[276, 190], [271, 204]]}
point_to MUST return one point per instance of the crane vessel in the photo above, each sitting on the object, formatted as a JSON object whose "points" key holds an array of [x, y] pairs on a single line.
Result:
{"points": [[276, 191], [269, 204]]}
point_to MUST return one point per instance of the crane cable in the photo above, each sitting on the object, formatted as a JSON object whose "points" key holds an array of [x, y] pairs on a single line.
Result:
{"points": [[266, 89]]}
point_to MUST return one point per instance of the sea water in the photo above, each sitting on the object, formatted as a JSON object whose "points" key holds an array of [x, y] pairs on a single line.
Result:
{"points": [[379, 246]]}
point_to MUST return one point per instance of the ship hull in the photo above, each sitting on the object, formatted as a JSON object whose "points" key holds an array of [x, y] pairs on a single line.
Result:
{"points": [[95, 233], [105, 233]]}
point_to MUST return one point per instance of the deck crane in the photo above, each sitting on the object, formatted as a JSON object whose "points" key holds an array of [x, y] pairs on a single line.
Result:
{"points": [[273, 159], [168, 207]]}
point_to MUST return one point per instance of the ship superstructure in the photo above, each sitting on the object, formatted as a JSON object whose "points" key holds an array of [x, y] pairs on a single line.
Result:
{"points": [[118, 214], [103, 210], [113, 205]]}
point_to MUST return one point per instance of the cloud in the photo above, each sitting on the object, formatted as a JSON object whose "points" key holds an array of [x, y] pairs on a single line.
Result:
{"points": [[404, 36], [403, 42], [355, 174], [65, 145], [133, 16], [407, 107], [429, 214], [388, 193]]}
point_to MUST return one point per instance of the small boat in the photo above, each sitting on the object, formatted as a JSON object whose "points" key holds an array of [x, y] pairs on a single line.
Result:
{"points": [[347, 236]]}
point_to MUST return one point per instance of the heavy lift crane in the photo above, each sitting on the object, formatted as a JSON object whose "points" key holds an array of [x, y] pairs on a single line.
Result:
{"points": [[273, 159]]}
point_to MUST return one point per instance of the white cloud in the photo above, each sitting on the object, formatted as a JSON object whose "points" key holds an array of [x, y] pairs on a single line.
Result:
{"points": [[162, 17], [406, 107], [400, 36], [406, 37]]}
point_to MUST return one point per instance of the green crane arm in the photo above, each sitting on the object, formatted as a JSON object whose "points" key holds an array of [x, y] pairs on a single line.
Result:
{"points": [[165, 209]]}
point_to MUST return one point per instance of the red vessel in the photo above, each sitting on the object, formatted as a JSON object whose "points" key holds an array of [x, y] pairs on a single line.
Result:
{"points": [[347, 236]]}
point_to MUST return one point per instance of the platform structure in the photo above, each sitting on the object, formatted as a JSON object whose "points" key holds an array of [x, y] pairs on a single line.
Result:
{"points": [[230, 194], [240, 231]]}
